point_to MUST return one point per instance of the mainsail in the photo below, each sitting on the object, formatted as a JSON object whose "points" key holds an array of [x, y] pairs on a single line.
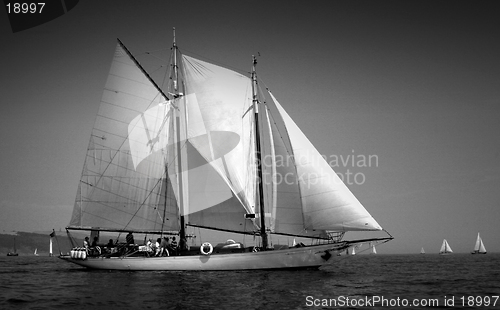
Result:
{"points": [[124, 183]]}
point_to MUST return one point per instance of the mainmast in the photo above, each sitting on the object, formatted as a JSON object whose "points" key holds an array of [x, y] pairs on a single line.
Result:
{"points": [[182, 232], [260, 191]]}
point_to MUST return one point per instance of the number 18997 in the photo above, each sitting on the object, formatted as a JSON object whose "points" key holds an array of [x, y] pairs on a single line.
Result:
{"points": [[25, 7]]}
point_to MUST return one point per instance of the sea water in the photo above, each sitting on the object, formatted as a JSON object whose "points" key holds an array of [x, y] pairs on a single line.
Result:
{"points": [[362, 281]]}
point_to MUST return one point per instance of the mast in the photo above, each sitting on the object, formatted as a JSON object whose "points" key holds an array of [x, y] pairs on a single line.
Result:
{"points": [[260, 191], [182, 232]]}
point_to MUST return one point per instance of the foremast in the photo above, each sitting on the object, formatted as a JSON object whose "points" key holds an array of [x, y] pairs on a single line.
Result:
{"points": [[258, 156]]}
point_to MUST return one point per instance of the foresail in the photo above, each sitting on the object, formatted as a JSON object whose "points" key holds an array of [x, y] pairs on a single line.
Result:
{"points": [[327, 203], [219, 146], [282, 191], [482, 248], [124, 183]]}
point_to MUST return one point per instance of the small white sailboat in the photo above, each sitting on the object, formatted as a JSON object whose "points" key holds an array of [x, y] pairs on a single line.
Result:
{"points": [[422, 251], [207, 153], [445, 248], [35, 253], [479, 246], [52, 235], [373, 250]]}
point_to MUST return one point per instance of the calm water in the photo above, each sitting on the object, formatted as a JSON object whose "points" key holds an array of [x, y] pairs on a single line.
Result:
{"points": [[49, 283]]}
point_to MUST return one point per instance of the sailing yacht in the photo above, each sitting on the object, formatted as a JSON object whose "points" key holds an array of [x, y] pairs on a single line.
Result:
{"points": [[212, 152], [479, 246], [422, 251], [373, 250], [445, 248], [35, 253]]}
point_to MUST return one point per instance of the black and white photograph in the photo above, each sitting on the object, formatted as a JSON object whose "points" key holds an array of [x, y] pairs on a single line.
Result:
{"points": [[249, 154]]}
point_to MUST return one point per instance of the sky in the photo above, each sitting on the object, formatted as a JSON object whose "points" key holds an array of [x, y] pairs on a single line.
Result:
{"points": [[415, 86]]}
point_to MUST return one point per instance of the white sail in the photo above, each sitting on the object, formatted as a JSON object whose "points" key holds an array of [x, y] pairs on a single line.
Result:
{"points": [[219, 146], [445, 248], [281, 186], [327, 203], [422, 251], [479, 246], [124, 179], [373, 250]]}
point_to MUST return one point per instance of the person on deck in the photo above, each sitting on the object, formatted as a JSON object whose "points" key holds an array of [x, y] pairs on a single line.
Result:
{"points": [[95, 249], [110, 246], [130, 239], [173, 246], [149, 247], [86, 243], [157, 247], [182, 244], [164, 247]]}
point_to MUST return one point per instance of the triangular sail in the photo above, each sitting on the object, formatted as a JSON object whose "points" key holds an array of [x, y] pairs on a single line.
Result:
{"points": [[124, 180], [327, 203], [479, 246], [282, 191]]}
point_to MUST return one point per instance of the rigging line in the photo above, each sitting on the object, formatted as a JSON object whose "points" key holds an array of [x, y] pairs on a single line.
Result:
{"points": [[388, 233], [154, 56]]}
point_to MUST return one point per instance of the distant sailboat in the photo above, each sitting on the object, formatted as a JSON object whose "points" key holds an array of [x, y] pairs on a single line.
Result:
{"points": [[373, 249], [15, 251], [52, 234], [422, 251], [445, 248], [35, 253], [479, 246]]}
